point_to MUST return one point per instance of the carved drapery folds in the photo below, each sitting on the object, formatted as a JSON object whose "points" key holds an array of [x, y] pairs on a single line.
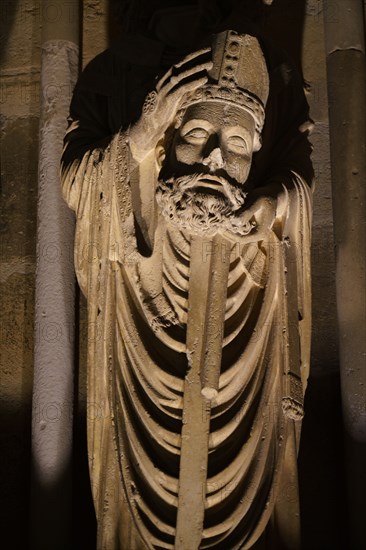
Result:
{"points": [[197, 281]]}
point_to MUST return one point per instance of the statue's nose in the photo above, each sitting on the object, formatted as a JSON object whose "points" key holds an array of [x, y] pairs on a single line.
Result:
{"points": [[214, 160]]}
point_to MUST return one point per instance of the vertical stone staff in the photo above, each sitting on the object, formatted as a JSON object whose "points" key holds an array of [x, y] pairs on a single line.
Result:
{"points": [[209, 267], [52, 415], [345, 50]]}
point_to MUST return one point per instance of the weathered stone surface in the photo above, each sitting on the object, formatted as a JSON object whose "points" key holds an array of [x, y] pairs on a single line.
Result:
{"points": [[21, 24], [19, 97], [95, 29], [19, 189]]}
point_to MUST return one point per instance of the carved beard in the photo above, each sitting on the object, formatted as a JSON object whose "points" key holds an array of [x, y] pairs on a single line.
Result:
{"points": [[189, 203]]}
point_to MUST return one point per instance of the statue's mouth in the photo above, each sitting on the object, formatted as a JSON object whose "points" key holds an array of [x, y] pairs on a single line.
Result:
{"points": [[209, 186]]}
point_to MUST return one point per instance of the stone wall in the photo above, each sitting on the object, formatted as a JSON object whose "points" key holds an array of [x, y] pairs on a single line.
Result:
{"points": [[20, 70], [298, 27]]}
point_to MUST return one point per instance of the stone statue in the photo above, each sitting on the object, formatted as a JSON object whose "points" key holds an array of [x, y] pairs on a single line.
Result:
{"points": [[192, 248]]}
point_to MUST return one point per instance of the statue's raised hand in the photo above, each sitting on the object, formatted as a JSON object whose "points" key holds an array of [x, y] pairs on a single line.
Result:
{"points": [[161, 105], [261, 214]]}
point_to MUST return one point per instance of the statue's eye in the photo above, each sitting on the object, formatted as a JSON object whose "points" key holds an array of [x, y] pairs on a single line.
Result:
{"points": [[237, 142], [196, 134]]}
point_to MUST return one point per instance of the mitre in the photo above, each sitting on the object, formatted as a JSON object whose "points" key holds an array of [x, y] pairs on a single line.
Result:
{"points": [[239, 76]]}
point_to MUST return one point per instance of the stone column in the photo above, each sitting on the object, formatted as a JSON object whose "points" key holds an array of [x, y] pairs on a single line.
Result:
{"points": [[345, 49], [55, 287]]}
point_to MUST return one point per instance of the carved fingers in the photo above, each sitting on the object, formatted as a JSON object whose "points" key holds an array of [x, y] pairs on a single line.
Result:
{"points": [[261, 216], [184, 69], [161, 105], [181, 79]]}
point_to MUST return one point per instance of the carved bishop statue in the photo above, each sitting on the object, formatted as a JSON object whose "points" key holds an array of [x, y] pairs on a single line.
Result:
{"points": [[192, 251]]}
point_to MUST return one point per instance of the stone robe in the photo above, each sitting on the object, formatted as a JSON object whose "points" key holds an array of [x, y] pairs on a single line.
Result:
{"points": [[134, 271]]}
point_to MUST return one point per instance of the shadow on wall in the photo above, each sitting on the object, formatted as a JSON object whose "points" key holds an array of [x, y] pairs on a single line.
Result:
{"points": [[8, 12], [321, 467], [284, 24], [14, 467]]}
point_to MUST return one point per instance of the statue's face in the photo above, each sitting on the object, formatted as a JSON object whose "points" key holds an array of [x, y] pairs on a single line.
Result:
{"points": [[201, 185], [217, 137]]}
